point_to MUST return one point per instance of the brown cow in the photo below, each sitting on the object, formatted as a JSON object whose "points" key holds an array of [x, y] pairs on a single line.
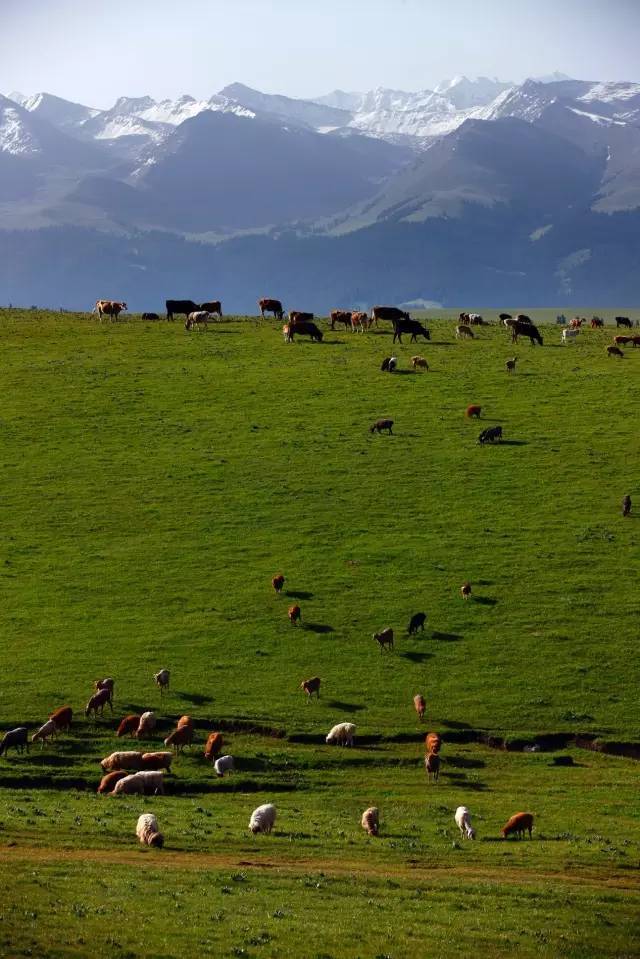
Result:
{"points": [[295, 615], [635, 340], [214, 744], [432, 766], [110, 308], [615, 351], [596, 323], [267, 305], [465, 590], [622, 340], [62, 717], [473, 410], [381, 425], [519, 824], [384, 638], [419, 361], [463, 330], [340, 316], [278, 582], [108, 782], [432, 743], [359, 321]]}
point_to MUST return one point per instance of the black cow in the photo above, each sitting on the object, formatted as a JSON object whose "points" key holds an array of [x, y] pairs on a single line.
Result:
{"points": [[409, 326], [519, 328], [388, 313], [623, 321], [417, 622], [181, 308], [267, 305], [214, 306], [150, 316], [490, 435], [305, 328]]}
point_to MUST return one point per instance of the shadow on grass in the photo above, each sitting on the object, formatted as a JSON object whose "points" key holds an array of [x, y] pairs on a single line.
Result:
{"points": [[344, 707], [460, 779], [463, 762], [511, 443], [197, 699], [318, 627], [453, 724], [445, 637], [485, 600], [417, 657], [298, 593]]}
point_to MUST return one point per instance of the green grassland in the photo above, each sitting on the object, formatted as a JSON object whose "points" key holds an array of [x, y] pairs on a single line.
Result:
{"points": [[154, 480]]}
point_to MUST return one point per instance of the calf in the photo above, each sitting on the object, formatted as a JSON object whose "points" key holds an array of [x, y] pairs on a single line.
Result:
{"points": [[416, 623], [433, 743], [384, 638], [419, 362], [473, 410], [596, 323], [278, 582], [128, 726], [569, 334], [519, 824], [463, 822], [615, 351], [511, 364], [419, 705], [213, 746], [490, 435], [381, 425], [62, 717], [98, 701], [432, 766], [295, 615], [465, 590], [626, 505], [48, 731], [150, 316], [360, 321], [462, 331], [311, 686]]}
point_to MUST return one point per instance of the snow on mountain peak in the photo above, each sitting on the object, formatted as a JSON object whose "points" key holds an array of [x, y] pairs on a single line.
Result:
{"points": [[15, 138]]}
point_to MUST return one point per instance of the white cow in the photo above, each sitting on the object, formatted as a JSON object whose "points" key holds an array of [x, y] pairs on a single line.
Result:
{"points": [[568, 334]]}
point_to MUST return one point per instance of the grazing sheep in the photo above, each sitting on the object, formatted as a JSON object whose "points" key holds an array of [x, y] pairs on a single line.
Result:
{"points": [[108, 782], [15, 739], [463, 822], [224, 765], [161, 760], [311, 686], [381, 425], [416, 623], [180, 737], [511, 364], [432, 766], [371, 821], [128, 725], [162, 680], [518, 824], [213, 746], [147, 831], [384, 638], [48, 731], [62, 717], [278, 582], [124, 760], [97, 703], [294, 614], [420, 705], [146, 725], [433, 742], [465, 590], [108, 683], [473, 410], [263, 818], [148, 783], [342, 734], [615, 351], [626, 505], [419, 362]]}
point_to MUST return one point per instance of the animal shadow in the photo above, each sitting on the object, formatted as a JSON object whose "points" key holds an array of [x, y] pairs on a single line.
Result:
{"points": [[463, 762], [459, 779], [344, 707], [511, 443], [298, 593], [404, 372], [197, 699], [417, 657], [485, 600], [453, 724], [318, 627], [445, 637]]}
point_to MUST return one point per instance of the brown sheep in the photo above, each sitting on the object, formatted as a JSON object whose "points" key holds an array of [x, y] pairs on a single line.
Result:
{"points": [[161, 760], [420, 705], [180, 737], [128, 725], [518, 824], [214, 744], [62, 717], [433, 742], [432, 766], [107, 783]]}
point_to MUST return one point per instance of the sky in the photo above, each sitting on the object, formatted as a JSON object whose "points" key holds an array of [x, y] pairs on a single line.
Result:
{"points": [[93, 51]]}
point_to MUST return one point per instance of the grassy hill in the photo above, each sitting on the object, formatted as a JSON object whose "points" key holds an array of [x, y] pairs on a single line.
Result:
{"points": [[153, 483]]}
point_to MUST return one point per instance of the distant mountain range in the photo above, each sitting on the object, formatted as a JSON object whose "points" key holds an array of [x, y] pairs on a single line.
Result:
{"points": [[472, 192]]}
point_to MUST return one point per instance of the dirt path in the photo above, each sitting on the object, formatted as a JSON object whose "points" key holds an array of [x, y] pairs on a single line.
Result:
{"points": [[330, 867]]}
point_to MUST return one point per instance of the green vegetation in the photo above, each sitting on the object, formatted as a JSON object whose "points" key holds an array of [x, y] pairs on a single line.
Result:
{"points": [[153, 481]]}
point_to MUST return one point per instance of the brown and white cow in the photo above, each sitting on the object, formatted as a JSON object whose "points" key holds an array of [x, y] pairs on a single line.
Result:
{"points": [[111, 308]]}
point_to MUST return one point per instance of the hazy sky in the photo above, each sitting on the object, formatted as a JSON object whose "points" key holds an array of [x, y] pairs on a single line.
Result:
{"points": [[96, 50]]}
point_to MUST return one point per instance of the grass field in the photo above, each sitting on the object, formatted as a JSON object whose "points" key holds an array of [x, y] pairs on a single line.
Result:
{"points": [[153, 481]]}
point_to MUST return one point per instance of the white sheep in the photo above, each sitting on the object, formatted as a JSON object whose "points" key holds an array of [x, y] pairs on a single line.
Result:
{"points": [[149, 783], [146, 725], [48, 731], [371, 821], [224, 765], [463, 822], [342, 734], [147, 830], [162, 679], [263, 818], [123, 760]]}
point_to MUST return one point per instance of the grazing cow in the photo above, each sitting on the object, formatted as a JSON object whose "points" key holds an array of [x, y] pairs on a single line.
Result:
{"points": [[465, 590], [463, 331], [596, 322], [295, 615], [413, 327], [98, 701], [511, 364], [311, 686], [473, 410], [381, 425], [150, 316], [419, 361], [576, 322], [463, 822], [15, 739], [371, 821], [623, 321], [197, 318], [341, 735], [146, 725], [475, 319], [433, 743], [519, 328], [214, 744], [503, 317], [390, 313], [161, 760], [419, 705], [635, 340], [305, 328], [384, 638], [62, 717], [298, 316], [129, 725], [161, 680], [214, 306], [131, 759], [359, 321], [180, 308], [622, 340], [108, 308], [278, 582], [432, 766], [341, 316], [490, 435], [569, 333], [626, 505], [416, 623], [519, 824], [523, 318], [267, 305], [615, 351]]}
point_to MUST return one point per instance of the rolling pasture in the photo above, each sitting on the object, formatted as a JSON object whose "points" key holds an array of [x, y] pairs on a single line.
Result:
{"points": [[153, 481]]}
